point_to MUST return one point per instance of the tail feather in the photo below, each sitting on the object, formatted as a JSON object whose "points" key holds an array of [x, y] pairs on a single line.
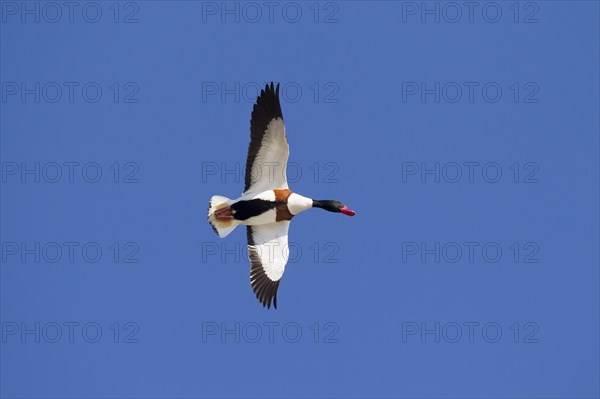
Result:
{"points": [[221, 227]]}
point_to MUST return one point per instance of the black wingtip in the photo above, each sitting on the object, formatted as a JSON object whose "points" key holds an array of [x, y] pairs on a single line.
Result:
{"points": [[271, 87]]}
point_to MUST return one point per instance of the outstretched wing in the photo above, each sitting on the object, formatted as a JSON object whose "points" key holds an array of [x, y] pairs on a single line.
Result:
{"points": [[269, 150], [268, 252]]}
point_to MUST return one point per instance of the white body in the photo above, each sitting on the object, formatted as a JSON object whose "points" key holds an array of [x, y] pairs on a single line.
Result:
{"points": [[296, 203]]}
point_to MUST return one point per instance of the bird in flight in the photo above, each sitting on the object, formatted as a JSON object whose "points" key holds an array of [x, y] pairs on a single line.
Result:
{"points": [[267, 205]]}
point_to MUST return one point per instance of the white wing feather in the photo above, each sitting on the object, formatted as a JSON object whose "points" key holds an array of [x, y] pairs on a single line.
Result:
{"points": [[268, 252]]}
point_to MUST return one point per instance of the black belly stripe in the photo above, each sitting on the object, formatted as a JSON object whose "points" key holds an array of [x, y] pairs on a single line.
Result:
{"points": [[247, 209]]}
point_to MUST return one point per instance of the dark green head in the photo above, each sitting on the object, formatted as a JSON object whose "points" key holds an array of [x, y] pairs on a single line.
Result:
{"points": [[333, 206]]}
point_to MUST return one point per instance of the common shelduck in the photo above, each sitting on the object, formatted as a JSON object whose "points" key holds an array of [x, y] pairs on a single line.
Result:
{"points": [[267, 205]]}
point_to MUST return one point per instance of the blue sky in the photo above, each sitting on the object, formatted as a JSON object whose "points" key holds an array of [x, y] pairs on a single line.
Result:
{"points": [[465, 138]]}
